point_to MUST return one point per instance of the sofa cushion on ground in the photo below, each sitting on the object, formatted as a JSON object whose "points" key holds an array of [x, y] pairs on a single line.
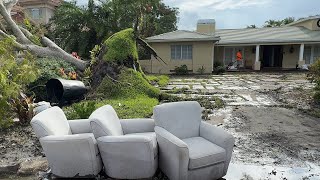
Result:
{"points": [[203, 153]]}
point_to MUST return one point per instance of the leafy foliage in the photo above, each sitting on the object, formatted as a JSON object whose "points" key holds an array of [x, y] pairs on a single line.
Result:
{"points": [[314, 76], [278, 23], [182, 70], [201, 70], [15, 74], [161, 80], [80, 28], [136, 107], [49, 68], [219, 70]]}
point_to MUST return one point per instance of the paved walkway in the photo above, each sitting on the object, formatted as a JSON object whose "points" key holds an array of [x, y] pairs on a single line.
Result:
{"points": [[240, 89]]}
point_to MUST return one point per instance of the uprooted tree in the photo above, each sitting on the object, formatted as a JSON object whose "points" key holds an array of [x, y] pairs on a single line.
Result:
{"points": [[115, 66], [25, 40]]}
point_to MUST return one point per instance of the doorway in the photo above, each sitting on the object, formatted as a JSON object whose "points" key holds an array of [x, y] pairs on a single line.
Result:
{"points": [[272, 56]]}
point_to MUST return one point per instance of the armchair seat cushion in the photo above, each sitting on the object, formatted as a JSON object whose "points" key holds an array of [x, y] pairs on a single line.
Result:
{"points": [[203, 153], [151, 135]]}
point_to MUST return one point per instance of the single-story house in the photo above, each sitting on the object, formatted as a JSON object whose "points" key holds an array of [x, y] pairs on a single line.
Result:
{"points": [[285, 47]]}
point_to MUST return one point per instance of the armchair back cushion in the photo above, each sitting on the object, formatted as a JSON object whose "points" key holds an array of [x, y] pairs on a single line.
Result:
{"points": [[105, 122], [182, 119], [49, 122]]}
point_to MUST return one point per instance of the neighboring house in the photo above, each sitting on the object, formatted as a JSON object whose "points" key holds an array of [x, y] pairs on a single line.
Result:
{"points": [[39, 11], [282, 47]]}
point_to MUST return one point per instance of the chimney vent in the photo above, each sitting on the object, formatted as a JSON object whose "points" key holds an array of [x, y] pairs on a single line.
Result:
{"points": [[206, 26]]}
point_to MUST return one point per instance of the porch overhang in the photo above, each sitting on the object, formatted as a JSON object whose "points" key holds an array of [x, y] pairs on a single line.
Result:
{"points": [[215, 39], [266, 43]]}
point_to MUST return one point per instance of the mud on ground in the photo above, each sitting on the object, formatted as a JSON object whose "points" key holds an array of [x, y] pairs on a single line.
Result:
{"points": [[18, 143]]}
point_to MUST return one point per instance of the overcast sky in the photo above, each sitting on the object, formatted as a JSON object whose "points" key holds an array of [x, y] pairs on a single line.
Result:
{"points": [[238, 13]]}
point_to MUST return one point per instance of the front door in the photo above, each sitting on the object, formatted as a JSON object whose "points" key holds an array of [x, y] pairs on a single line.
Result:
{"points": [[272, 56]]}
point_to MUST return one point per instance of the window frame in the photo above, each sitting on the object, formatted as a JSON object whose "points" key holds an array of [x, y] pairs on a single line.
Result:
{"points": [[181, 52], [39, 10]]}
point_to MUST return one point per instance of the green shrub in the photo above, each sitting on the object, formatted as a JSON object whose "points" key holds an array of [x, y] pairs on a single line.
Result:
{"points": [[136, 107], [129, 84], [121, 46], [217, 64], [14, 77], [201, 70], [49, 68], [161, 80], [81, 110], [314, 76], [316, 96], [182, 70], [219, 70]]}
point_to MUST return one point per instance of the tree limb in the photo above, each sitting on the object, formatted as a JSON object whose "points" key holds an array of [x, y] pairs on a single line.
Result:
{"points": [[26, 32], [13, 26], [9, 5], [149, 49]]}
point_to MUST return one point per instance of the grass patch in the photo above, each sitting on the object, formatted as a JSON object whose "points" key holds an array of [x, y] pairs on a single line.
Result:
{"points": [[178, 91], [208, 103], [161, 80], [136, 107]]}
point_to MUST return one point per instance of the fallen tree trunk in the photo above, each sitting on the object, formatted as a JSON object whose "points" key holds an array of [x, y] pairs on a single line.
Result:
{"points": [[23, 39]]}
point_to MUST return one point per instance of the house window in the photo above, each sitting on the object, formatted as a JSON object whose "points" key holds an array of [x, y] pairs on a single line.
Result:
{"points": [[316, 53], [181, 52], [36, 13], [307, 54]]}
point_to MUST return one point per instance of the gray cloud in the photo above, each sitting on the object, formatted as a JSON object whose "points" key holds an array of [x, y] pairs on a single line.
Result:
{"points": [[240, 13]]}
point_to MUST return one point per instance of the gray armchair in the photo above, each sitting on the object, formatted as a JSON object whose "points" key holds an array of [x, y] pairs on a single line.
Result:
{"points": [[69, 146], [190, 148], [128, 147]]}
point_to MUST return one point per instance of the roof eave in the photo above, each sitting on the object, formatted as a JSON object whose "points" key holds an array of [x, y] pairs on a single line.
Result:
{"points": [[268, 42], [215, 39]]}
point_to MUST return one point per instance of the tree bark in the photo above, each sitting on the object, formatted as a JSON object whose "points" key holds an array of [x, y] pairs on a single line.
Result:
{"points": [[23, 39]]}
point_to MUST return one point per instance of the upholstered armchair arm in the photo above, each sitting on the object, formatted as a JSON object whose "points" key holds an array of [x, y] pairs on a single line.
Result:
{"points": [[173, 154], [122, 152], [130, 126], [80, 126], [79, 150], [219, 137]]}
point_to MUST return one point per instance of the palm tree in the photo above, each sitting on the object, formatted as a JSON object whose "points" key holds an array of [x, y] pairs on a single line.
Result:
{"points": [[252, 26]]}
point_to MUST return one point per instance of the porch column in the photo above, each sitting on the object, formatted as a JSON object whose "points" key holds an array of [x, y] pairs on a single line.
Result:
{"points": [[212, 61], [257, 53], [257, 63], [301, 54]]}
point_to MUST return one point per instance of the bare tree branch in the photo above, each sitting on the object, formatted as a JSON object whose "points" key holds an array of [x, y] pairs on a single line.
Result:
{"points": [[27, 33], [3, 34], [24, 37], [13, 26], [9, 5]]}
